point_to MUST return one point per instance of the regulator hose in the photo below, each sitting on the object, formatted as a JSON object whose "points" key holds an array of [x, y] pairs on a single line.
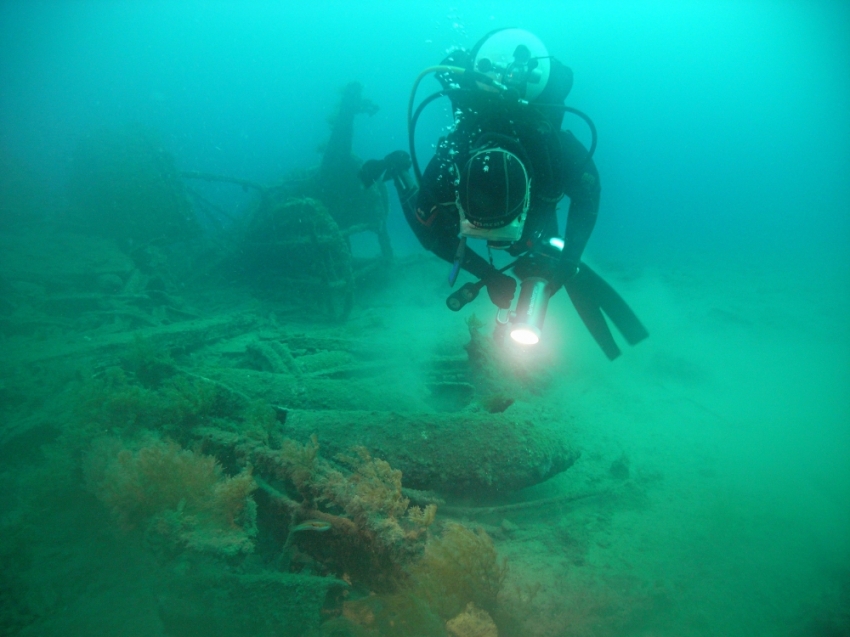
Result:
{"points": [[413, 115]]}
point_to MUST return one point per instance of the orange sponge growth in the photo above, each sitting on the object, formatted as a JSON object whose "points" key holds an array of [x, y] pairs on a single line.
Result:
{"points": [[182, 498]]}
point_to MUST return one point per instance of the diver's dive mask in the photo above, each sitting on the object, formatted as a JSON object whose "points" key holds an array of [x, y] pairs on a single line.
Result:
{"points": [[493, 196]]}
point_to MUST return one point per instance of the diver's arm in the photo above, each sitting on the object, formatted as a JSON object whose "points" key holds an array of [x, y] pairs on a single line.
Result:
{"points": [[437, 231], [436, 226], [430, 211], [431, 214], [407, 192]]}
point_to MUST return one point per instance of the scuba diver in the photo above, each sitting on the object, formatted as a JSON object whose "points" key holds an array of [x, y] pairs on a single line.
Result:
{"points": [[498, 177]]}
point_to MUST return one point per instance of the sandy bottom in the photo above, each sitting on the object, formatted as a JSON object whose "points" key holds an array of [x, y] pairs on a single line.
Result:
{"points": [[715, 464], [734, 418]]}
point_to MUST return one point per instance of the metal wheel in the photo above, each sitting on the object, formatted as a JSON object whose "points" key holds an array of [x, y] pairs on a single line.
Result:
{"points": [[297, 247]]}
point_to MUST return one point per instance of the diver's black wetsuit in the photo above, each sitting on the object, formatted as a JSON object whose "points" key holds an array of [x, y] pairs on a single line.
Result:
{"points": [[434, 218], [560, 167]]}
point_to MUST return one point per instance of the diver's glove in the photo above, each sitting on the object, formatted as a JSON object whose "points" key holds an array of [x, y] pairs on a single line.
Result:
{"points": [[566, 269], [397, 162], [384, 169], [501, 288]]}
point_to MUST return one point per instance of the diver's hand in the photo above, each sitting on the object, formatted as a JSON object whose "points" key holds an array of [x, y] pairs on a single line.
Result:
{"points": [[501, 288], [396, 162], [566, 270], [384, 169]]}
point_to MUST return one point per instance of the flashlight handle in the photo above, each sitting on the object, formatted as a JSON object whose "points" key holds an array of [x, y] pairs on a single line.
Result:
{"points": [[469, 291], [463, 295]]}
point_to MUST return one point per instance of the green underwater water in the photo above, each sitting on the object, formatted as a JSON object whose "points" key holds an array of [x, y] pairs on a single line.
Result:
{"points": [[228, 410], [158, 452]]}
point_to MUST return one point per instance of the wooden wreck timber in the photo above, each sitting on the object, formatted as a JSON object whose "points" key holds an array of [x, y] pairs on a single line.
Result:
{"points": [[471, 454]]}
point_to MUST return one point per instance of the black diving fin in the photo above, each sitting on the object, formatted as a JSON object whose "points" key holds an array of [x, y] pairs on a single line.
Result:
{"points": [[592, 295]]}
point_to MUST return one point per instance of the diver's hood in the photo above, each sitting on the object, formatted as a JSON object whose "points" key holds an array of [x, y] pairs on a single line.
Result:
{"points": [[494, 190]]}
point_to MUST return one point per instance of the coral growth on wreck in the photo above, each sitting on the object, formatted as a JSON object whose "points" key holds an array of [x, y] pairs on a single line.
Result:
{"points": [[473, 622], [374, 532], [180, 498], [459, 567], [127, 402], [454, 587], [200, 472]]}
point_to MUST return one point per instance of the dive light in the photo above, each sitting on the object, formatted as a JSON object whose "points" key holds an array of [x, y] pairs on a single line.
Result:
{"points": [[527, 324], [460, 297]]}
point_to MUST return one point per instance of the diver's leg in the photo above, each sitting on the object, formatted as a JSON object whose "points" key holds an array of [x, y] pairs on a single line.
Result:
{"points": [[581, 294], [609, 300]]}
